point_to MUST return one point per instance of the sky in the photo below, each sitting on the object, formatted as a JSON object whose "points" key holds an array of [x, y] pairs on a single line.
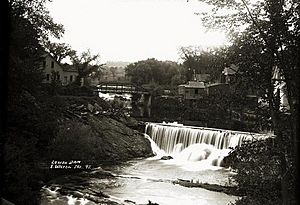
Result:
{"points": [[133, 30]]}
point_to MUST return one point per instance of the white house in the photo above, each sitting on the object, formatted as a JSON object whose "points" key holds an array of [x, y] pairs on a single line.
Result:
{"points": [[53, 70]]}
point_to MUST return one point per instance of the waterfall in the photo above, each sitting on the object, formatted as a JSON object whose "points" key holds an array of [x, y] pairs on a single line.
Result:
{"points": [[197, 143]]}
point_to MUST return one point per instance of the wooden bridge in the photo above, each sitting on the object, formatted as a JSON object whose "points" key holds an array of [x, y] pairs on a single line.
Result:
{"points": [[120, 89]]}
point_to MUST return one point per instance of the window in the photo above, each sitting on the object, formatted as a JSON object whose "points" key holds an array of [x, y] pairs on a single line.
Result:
{"points": [[52, 64], [48, 77], [71, 78], [58, 77], [44, 64], [65, 79], [196, 91]]}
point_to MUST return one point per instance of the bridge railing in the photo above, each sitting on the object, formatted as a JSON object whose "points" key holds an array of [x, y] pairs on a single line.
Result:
{"points": [[117, 88]]}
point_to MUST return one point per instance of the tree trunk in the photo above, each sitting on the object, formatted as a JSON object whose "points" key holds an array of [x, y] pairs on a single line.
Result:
{"points": [[274, 104]]}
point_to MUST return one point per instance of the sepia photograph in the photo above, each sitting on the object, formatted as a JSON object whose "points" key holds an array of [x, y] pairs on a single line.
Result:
{"points": [[150, 102]]}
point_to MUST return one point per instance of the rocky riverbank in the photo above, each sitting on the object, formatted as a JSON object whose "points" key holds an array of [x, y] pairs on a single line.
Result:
{"points": [[94, 130], [92, 133]]}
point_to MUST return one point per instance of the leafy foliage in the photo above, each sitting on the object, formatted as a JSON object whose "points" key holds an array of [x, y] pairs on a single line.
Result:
{"points": [[86, 64], [59, 50], [36, 13], [24, 72], [199, 61], [258, 167], [271, 28], [27, 118], [31, 126], [73, 141], [265, 35], [154, 71]]}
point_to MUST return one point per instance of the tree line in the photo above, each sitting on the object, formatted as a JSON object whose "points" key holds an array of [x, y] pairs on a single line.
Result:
{"points": [[154, 71]]}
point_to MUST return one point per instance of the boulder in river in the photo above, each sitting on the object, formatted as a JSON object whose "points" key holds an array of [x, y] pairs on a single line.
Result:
{"points": [[166, 158]]}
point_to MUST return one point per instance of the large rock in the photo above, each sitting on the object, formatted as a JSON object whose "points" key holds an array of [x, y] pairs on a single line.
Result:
{"points": [[166, 158], [118, 141], [105, 137]]}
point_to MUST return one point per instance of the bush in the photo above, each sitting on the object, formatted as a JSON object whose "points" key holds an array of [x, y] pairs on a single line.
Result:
{"points": [[20, 174], [30, 127], [74, 141], [258, 168]]}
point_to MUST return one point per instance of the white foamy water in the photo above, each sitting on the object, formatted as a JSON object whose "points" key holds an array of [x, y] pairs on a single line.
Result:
{"points": [[111, 96], [195, 148]]}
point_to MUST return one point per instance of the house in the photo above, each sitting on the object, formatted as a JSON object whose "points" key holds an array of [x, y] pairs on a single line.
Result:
{"points": [[54, 71], [193, 90], [198, 90], [69, 74]]}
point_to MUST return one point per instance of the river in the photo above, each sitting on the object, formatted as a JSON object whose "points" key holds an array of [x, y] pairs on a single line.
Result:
{"points": [[195, 156], [151, 179]]}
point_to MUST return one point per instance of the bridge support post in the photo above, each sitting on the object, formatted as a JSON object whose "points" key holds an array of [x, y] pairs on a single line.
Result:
{"points": [[147, 101], [142, 99]]}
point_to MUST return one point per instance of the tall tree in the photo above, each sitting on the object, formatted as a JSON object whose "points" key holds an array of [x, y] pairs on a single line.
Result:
{"points": [[274, 27], [36, 13], [199, 61], [30, 24]]}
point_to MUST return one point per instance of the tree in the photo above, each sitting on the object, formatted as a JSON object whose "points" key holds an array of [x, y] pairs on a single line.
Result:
{"points": [[153, 71], [199, 61], [272, 26], [37, 14], [30, 24], [113, 71], [59, 50], [86, 64]]}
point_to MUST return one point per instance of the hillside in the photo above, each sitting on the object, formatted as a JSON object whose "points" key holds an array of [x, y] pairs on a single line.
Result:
{"points": [[93, 130]]}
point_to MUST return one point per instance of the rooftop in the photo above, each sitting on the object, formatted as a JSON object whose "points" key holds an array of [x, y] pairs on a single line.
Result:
{"points": [[193, 84]]}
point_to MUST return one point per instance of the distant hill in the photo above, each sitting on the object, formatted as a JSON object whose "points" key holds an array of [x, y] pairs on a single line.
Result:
{"points": [[117, 64]]}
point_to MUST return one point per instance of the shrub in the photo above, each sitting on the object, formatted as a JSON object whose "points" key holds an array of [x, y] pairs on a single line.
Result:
{"points": [[258, 168], [74, 140]]}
